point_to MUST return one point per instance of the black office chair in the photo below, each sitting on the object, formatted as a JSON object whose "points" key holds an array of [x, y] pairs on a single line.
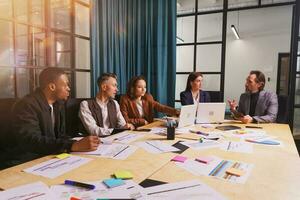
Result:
{"points": [[6, 140], [215, 96], [6, 106], [73, 122], [297, 142], [283, 109]]}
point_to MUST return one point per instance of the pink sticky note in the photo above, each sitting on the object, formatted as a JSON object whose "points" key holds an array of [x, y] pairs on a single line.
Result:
{"points": [[204, 159], [179, 159]]}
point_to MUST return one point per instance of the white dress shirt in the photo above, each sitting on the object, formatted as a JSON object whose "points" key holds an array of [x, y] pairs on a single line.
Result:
{"points": [[139, 105], [90, 123], [196, 98]]}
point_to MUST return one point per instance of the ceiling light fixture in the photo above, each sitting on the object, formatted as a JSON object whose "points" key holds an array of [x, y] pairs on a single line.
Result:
{"points": [[235, 32], [179, 40]]}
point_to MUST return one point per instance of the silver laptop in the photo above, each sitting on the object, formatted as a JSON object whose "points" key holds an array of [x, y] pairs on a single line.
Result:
{"points": [[187, 115], [210, 113]]}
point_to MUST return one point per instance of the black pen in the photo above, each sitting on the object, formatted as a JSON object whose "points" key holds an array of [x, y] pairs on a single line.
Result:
{"points": [[253, 127]]}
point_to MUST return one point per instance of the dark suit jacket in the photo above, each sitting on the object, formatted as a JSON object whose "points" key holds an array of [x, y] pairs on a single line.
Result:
{"points": [[33, 131], [186, 97], [131, 114], [266, 108]]}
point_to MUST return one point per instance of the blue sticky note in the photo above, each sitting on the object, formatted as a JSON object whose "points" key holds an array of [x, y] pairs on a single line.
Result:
{"points": [[113, 182]]}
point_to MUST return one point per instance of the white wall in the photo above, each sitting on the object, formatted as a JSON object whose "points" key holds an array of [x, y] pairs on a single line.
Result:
{"points": [[264, 33]]}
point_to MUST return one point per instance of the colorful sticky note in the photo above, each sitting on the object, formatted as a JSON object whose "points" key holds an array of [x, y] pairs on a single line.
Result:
{"points": [[204, 159], [62, 155], [241, 131], [123, 174], [113, 182], [179, 159], [235, 171]]}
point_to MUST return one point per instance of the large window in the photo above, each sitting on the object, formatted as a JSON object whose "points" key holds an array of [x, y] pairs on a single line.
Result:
{"points": [[296, 123], [199, 43], [35, 34], [206, 43]]}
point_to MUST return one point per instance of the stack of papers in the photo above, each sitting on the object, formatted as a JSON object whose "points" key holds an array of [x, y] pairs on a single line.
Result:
{"points": [[56, 167], [153, 146], [113, 151]]}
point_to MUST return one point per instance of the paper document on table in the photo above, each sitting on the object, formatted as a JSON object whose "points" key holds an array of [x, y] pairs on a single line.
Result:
{"points": [[183, 130], [56, 167], [158, 130], [193, 189], [114, 151], [199, 168], [163, 131], [153, 146], [211, 135], [130, 190], [241, 147], [124, 137], [218, 168], [205, 144], [220, 171], [35, 191], [246, 133]]}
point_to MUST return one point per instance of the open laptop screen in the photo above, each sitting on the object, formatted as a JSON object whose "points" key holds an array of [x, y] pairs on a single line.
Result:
{"points": [[210, 113], [187, 115]]}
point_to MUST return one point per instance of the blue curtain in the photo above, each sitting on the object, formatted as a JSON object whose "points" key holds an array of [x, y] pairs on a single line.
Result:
{"points": [[136, 37]]}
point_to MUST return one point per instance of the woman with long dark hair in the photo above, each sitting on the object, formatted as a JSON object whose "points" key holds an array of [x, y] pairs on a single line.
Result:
{"points": [[193, 92]]}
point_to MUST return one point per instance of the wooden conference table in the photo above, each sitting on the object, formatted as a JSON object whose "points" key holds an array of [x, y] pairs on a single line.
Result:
{"points": [[275, 175]]}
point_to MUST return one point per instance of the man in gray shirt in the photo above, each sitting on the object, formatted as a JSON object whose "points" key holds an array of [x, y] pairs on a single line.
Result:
{"points": [[102, 114], [256, 104]]}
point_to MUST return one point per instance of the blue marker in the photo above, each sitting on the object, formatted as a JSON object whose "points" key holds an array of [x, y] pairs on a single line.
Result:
{"points": [[79, 184]]}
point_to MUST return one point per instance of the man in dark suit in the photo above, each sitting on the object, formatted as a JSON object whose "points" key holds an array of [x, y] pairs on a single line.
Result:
{"points": [[39, 120], [256, 104]]}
